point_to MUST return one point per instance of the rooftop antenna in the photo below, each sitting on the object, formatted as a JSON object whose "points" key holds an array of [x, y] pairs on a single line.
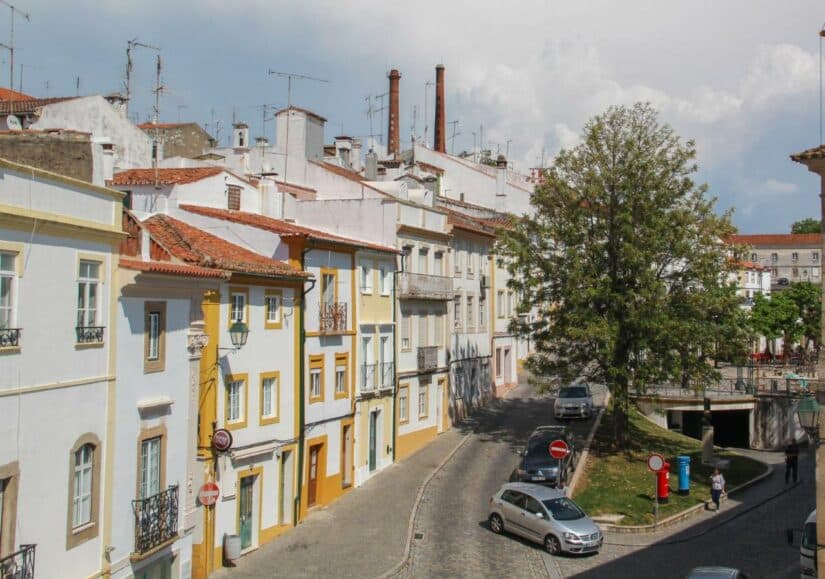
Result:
{"points": [[507, 154], [821, 36], [77, 86], [131, 45], [427, 85], [454, 134], [22, 66], [155, 119], [264, 119], [7, 47], [414, 119], [179, 108], [14, 9], [381, 108], [368, 98]]}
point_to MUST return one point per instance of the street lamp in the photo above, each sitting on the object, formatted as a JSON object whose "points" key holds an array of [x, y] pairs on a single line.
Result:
{"points": [[238, 333], [807, 412]]}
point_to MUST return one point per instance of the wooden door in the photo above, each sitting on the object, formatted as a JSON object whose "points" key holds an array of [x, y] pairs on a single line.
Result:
{"points": [[347, 465], [314, 455]]}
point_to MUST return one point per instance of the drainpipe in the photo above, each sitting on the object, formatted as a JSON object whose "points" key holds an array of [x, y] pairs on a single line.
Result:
{"points": [[301, 389], [394, 360]]}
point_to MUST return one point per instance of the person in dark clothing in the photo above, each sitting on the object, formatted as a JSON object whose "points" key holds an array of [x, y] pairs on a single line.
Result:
{"points": [[791, 460]]}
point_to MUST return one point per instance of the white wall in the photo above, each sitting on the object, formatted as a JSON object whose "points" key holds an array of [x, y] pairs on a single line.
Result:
{"points": [[365, 219]]}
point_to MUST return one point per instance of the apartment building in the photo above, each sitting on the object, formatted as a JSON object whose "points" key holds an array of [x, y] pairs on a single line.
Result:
{"points": [[789, 258]]}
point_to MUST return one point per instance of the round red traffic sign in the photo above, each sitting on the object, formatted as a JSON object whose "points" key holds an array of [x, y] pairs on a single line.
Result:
{"points": [[221, 440], [208, 495], [559, 449], [655, 462]]}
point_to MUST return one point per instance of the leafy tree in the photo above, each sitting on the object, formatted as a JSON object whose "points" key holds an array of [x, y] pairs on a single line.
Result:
{"points": [[776, 317], [623, 262], [808, 299], [808, 225]]}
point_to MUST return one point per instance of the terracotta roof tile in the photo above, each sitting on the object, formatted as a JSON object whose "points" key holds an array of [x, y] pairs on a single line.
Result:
{"points": [[165, 176], [815, 153], [29, 106], [777, 239], [283, 228], [196, 247], [7, 94], [746, 264], [467, 223], [167, 268]]}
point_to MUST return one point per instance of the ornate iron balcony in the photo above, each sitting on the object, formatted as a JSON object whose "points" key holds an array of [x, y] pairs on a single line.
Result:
{"points": [[9, 337], [89, 334], [333, 318], [387, 375], [156, 520], [18, 565], [427, 358], [368, 377]]}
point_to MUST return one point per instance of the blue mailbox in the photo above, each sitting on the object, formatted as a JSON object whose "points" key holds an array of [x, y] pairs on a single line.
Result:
{"points": [[683, 466]]}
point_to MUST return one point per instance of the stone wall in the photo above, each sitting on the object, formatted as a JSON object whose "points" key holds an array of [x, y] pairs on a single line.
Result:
{"points": [[68, 153], [774, 422]]}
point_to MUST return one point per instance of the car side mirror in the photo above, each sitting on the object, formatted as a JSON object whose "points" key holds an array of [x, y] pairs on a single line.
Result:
{"points": [[540, 515]]}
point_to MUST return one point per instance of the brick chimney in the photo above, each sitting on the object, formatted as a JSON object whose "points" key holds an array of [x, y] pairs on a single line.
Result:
{"points": [[394, 141], [440, 120]]}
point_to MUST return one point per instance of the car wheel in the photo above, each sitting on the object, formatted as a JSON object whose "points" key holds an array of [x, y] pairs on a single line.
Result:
{"points": [[552, 545], [496, 524]]}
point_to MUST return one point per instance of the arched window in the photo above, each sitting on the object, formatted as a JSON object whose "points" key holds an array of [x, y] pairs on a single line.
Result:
{"points": [[82, 484], [84, 491]]}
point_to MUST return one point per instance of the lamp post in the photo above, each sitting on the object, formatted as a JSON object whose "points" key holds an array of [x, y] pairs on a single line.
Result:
{"points": [[807, 412], [238, 333]]}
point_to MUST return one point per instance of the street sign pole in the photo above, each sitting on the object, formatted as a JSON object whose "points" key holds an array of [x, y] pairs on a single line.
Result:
{"points": [[655, 463], [655, 502]]}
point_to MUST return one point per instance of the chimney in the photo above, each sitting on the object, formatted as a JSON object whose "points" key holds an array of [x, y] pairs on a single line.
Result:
{"points": [[501, 183], [394, 146], [440, 132], [371, 169], [355, 156]]}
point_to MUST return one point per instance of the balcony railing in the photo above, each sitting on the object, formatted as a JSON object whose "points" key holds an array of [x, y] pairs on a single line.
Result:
{"points": [[425, 287], [89, 334], [18, 565], [368, 377], [387, 375], [427, 358], [333, 318], [9, 337], [156, 520]]}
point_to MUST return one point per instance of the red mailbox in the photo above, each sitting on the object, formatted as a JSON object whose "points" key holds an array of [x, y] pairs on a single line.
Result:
{"points": [[663, 484]]}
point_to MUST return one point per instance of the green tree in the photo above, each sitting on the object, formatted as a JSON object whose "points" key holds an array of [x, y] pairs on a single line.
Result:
{"points": [[623, 261], [777, 316], [808, 300], [808, 225]]}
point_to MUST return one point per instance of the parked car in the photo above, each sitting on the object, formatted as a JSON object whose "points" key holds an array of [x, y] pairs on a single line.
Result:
{"points": [[716, 573], [545, 516], [536, 464], [574, 400]]}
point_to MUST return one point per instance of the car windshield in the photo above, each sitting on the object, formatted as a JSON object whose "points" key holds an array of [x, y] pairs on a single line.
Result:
{"points": [[563, 509], [573, 392]]}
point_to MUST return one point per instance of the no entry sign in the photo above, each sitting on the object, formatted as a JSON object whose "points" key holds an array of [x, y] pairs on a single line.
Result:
{"points": [[655, 462], [208, 495], [559, 449]]}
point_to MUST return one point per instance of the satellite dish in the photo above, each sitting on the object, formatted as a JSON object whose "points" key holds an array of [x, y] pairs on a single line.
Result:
{"points": [[13, 123]]}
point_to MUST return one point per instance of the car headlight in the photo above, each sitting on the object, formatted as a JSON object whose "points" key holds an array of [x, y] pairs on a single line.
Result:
{"points": [[572, 538], [521, 472]]}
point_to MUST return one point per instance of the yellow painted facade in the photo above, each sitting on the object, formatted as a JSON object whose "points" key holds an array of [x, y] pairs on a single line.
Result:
{"points": [[407, 444]]}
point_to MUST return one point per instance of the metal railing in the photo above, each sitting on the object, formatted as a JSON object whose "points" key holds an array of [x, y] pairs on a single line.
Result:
{"points": [[156, 519], [423, 286], [9, 337], [387, 375], [333, 317], [368, 377], [89, 334], [18, 565], [427, 358], [746, 385]]}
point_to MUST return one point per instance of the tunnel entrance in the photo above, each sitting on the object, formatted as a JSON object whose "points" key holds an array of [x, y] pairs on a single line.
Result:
{"points": [[730, 427]]}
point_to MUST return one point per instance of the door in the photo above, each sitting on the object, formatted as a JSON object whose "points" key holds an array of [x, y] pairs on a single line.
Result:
{"points": [[312, 493], [286, 494], [386, 360], [373, 434], [439, 398], [245, 511], [512, 505], [535, 519], [346, 451], [507, 366]]}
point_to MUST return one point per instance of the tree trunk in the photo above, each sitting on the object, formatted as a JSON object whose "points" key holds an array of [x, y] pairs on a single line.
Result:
{"points": [[621, 404]]}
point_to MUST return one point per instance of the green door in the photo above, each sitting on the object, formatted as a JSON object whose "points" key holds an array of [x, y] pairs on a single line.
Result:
{"points": [[373, 428], [245, 511]]}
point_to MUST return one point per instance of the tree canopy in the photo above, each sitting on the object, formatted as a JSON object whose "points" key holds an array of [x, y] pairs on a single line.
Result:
{"points": [[789, 314], [808, 225], [623, 261]]}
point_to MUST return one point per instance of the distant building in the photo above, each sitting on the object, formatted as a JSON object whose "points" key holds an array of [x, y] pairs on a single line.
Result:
{"points": [[789, 257], [188, 140]]}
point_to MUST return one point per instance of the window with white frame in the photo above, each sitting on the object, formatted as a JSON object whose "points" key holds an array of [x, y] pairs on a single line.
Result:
{"points": [[794, 256], [423, 338], [423, 261], [406, 258], [510, 304], [366, 278], [774, 258], [82, 496], [88, 289], [438, 263], [500, 304], [238, 313], [153, 350], [315, 383], [234, 401], [385, 278], [482, 310], [150, 457], [272, 302], [438, 329], [423, 401], [405, 330], [457, 311], [340, 378], [815, 256], [7, 280], [470, 311], [457, 260], [403, 404], [471, 258], [269, 397]]}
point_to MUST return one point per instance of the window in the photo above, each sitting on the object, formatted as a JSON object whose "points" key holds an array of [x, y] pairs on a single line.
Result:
{"points": [[272, 309], [7, 278], [795, 272], [270, 396], [471, 258], [154, 336], [84, 490], [510, 304], [341, 370], [470, 311], [754, 257], [88, 284], [235, 401], [406, 258], [233, 197], [316, 378], [498, 362], [82, 497], [385, 279], [423, 258], [366, 279], [238, 308], [794, 257], [815, 256], [482, 311], [328, 289], [150, 459], [405, 330], [423, 338], [438, 263], [403, 404], [423, 401], [500, 304], [774, 258], [457, 261], [457, 311], [438, 330]]}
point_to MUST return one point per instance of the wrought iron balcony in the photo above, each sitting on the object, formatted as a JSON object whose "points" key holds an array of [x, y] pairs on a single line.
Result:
{"points": [[427, 358], [424, 287], [156, 520], [368, 377], [18, 565], [9, 337], [387, 375], [333, 318], [89, 334]]}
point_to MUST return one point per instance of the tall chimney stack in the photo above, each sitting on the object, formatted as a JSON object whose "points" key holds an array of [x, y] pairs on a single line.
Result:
{"points": [[394, 139], [440, 120]]}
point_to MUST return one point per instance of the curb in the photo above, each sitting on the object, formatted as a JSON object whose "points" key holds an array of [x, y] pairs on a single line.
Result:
{"points": [[687, 513], [582, 462]]}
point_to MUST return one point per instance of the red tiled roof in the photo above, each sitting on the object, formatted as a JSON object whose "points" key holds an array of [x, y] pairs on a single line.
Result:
{"points": [[6, 94], [165, 176], [282, 228], [299, 191], [196, 247], [815, 153], [746, 264], [777, 239], [172, 268], [29, 106], [467, 223]]}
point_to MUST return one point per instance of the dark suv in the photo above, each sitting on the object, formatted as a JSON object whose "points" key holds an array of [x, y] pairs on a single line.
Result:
{"points": [[537, 466]]}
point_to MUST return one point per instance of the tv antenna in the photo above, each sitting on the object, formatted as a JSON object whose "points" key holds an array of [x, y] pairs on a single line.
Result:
{"points": [[427, 85], [454, 135], [27, 16], [22, 66], [131, 45]]}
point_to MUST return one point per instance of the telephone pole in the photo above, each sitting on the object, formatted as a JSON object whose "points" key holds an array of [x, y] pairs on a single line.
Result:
{"points": [[14, 10]]}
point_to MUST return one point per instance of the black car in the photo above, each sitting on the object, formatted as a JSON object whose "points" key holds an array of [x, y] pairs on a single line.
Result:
{"points": [[537, 466]]}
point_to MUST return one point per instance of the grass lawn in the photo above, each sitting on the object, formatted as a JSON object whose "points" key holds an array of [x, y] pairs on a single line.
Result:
{"points": [[618, 481]]}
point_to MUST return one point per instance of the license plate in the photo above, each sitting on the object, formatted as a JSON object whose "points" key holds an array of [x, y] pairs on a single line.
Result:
{"points": [[536, 478]]}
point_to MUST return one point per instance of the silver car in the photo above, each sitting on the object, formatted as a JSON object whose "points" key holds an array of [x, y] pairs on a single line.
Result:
{"points": [[574, 400], [545, 516]]}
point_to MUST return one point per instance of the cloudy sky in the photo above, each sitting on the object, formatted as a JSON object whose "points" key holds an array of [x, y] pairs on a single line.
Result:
{"points": [[741, 77]]}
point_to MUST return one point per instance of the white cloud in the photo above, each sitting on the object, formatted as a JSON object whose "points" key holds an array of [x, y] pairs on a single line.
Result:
{"points": [[778, 71]]}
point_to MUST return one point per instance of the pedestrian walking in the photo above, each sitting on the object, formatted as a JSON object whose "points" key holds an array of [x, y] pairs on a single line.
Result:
{"points": [[717, 487], [791, 460]]}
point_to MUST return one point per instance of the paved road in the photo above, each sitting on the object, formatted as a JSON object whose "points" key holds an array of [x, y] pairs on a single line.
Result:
{"points": [[454, 538]]}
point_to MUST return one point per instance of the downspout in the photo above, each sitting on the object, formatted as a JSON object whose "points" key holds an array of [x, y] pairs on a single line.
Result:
{"points": [[301, 389], [395, 305]]}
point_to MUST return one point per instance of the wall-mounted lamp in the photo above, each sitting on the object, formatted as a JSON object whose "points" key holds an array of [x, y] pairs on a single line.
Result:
{"points": [[238, 333]]}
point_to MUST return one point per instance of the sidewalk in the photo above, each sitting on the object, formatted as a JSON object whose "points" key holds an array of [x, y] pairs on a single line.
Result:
{"points": [[363, 534]]}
